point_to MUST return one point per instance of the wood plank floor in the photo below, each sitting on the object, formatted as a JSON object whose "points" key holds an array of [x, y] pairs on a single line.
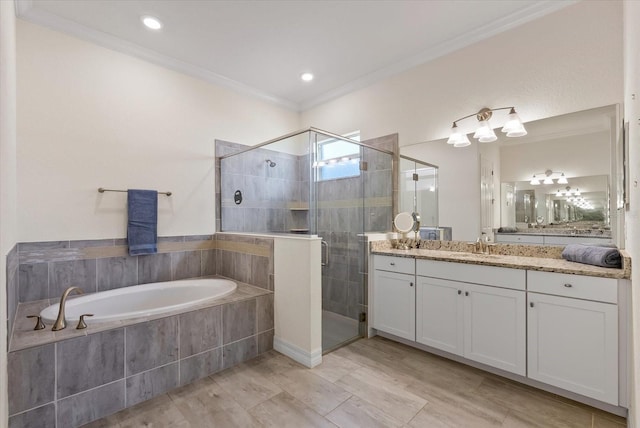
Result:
{"points": [[369, 383]]}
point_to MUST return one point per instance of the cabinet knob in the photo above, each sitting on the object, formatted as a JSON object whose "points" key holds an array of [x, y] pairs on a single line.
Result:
{"points": [[459, 291], [392, 263], [466, 293], [411, 284], [531, 304], [568, 285]]}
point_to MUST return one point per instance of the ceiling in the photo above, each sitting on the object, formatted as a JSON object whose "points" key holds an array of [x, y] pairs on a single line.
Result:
{"points": [[262, 47]]}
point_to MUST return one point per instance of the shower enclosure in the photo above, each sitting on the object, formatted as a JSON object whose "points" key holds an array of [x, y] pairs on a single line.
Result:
{"points": [[418, 191], [314, 182]]}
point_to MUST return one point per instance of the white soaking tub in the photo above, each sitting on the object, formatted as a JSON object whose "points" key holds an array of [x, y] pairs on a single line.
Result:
{"points": [[141, 300]]}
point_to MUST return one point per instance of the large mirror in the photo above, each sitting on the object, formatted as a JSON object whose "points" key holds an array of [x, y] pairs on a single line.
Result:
{"points": [[560, 175], [483, 187], [582, 202]]}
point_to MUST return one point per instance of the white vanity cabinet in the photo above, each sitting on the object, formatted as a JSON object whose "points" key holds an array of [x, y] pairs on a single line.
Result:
{"points": [[394, 296], [573, 333], [484, 321]]}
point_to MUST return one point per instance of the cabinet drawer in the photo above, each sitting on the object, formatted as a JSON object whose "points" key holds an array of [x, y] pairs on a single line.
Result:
{"points": [[576, 286], [395, 264], [485, 275], [520, 239]]}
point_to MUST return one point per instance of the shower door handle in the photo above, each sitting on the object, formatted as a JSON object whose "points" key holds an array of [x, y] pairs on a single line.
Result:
{"points": [[325, 256]]}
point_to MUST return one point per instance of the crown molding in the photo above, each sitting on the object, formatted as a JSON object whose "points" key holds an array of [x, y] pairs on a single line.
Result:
{"points": [[505, 23], [26, 11]]}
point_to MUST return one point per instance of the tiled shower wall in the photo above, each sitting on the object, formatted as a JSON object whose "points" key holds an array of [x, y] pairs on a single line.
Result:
{"points": [[43, 270], [270, 195]]}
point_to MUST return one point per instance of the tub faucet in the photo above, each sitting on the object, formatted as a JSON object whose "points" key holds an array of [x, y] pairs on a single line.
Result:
{"points": [[60, 321]]}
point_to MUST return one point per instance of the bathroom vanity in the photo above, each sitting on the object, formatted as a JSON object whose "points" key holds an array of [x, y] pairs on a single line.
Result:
{"points": [[546, 322]]}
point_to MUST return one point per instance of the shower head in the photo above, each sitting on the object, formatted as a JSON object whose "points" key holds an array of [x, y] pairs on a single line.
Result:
{"points": [[271, 163]]}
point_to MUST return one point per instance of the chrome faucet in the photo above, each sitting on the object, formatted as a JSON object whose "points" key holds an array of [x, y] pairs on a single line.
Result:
{"points": [[482, 244], [60, 321]]}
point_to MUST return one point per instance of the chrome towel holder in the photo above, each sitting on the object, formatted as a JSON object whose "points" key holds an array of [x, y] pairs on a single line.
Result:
{"points": [[102, 190]]}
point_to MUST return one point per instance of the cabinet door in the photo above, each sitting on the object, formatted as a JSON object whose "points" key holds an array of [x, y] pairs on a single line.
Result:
{"points": [[573, 344], [495, 327], [439, 314], [395, 304]]}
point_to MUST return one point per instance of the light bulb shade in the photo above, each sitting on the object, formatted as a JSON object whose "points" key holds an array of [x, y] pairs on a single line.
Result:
{"points": [[562, 179], [558, 193], [534, 181], [517, 133], [548, 180], [578, 192], [463, 141], [484, 133], [514, 126], [455, 135]]}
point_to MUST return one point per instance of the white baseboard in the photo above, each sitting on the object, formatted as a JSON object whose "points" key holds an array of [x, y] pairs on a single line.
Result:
{"points": [[307, 359]]}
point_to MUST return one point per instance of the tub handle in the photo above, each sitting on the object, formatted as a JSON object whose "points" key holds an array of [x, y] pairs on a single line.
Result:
{"points": [[81, 323], [39, 323]]}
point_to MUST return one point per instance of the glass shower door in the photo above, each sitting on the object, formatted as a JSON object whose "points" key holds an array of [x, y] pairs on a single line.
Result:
{"points": [[339, 222]]}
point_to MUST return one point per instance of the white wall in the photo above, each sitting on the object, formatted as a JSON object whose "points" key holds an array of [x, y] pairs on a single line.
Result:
{"points": [[632, 220], [567, 61], [7, 177], [298, 299], [90, 117]]}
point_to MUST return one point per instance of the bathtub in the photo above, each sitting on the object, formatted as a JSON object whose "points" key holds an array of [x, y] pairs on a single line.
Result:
{"points": [[141, 300]]}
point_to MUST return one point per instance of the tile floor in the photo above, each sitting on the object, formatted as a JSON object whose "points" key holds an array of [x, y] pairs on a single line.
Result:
{"points": [[337, 329], [369, 383]]}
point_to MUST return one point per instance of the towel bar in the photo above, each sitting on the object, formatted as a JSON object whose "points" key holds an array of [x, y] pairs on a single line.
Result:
{"points": [[102, 190]]}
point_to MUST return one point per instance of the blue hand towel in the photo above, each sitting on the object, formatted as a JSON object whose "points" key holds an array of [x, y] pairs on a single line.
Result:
{"points": [[142, 226], [593, 255]]}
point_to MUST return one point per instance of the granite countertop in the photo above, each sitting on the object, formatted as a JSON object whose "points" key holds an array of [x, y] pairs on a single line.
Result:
{"points": [[546, 264]]}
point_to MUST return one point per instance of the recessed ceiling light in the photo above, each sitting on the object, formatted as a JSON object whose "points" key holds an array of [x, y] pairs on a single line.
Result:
{"points": [[151, 22], [306, 77]]}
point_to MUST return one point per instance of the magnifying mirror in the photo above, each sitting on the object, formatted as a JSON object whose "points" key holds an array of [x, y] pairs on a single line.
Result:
{"points": [[403, 222]]}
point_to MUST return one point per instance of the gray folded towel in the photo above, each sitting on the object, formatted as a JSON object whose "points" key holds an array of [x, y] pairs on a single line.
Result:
{"points": [[508, 230], [142, 226], [593, 255]]}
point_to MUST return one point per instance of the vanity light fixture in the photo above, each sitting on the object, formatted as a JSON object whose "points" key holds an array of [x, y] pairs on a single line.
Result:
{"points": [[548, 176], [151, 22], [562, 179], [484, 132]]}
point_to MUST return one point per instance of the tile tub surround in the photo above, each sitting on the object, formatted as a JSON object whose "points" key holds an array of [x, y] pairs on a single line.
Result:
{"points": [[12, 288], [517, 256], [46, 269], [83, 376]]}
